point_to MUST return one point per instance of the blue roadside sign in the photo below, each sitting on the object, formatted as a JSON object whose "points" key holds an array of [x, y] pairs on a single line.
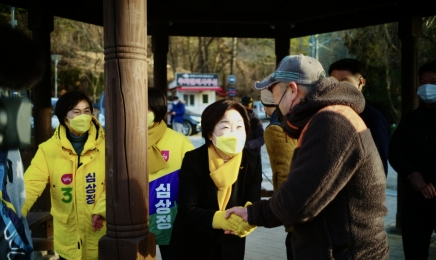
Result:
{"points": [[231, 79], [231, 92]]}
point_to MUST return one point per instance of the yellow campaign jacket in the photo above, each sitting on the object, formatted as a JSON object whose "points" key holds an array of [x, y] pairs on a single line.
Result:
{"points": [[163, 185], [77, 192]]}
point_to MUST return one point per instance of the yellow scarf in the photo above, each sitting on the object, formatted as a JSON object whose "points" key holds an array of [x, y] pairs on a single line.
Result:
{"points": [[156, 161], [223, 174]]}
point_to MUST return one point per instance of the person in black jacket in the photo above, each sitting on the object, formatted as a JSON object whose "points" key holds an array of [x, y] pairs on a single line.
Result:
{"points": [[353, 71], [412, 153], [255, 138], [214, 177]]}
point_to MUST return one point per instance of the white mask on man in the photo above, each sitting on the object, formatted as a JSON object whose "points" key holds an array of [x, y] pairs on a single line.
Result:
{"points": [[427, 93]]}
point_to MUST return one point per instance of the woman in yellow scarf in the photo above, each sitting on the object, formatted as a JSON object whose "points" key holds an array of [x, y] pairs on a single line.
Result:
{"points": [[214, 177]]}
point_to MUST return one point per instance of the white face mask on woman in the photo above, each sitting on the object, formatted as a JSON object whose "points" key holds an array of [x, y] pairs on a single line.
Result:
{"points": [[427, 93]]}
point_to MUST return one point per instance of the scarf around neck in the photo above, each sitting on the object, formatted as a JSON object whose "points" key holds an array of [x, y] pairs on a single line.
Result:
{"points": [[327, 92], [223, 174], [156, 161]]}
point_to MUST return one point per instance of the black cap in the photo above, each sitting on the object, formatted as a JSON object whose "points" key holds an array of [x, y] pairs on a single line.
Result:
{"points": [[247, 101]]}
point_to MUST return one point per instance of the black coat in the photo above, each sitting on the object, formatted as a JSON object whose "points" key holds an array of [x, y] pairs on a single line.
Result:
{"points": [[193, 236], [379, 128], [413, 149]]}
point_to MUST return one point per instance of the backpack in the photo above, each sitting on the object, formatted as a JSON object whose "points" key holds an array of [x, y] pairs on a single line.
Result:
{"points": [[14, 244]]}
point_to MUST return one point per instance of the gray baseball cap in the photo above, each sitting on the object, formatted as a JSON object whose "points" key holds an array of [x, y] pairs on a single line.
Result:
{"points": [[298, 68]]}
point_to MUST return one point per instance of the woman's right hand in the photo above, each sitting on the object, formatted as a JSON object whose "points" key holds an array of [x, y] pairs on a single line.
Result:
{"points": [[97, 222]]}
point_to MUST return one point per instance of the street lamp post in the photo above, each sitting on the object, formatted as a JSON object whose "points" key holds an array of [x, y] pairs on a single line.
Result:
{"points": [[314, 44], [55, 58]]}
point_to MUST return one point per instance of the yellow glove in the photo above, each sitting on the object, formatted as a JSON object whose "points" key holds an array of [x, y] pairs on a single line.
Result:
{"points": [[220, 222], [244, 228]]}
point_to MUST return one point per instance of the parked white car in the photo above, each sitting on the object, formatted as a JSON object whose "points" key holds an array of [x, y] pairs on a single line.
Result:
{"points": [[259, 110]]}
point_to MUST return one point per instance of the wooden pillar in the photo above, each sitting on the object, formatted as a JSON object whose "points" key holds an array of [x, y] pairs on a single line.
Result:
{"points": [[410, 29], [126, 102], [282, 40], [41, 24], [160, 43]]}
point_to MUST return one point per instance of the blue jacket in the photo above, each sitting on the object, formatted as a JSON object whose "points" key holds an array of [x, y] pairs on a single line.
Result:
{"points": [[179, 108]]}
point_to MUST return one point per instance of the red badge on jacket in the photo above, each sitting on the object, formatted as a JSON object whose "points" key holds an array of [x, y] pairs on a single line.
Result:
{"points": [[165, 155], [67, 178]]}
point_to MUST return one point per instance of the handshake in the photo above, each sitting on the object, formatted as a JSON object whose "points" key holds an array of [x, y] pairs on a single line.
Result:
{"points": [[232, 222]]}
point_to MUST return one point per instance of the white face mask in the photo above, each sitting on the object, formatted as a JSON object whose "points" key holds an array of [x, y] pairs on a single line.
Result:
{"points": [[427, 93], [176, 102]]}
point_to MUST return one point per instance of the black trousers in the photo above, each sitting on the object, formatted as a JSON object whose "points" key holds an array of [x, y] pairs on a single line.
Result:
{"points": [[164, 251], [417, 226], [289, 255]]}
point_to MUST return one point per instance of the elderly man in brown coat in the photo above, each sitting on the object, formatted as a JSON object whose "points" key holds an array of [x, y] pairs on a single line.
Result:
{"points": [[335, 194]]}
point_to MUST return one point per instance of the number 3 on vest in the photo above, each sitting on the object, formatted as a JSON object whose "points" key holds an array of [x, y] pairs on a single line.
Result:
{"points": [[67, 193]]}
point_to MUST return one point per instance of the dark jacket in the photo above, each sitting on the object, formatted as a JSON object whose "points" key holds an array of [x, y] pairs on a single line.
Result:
{"points": [[413, 149], [193, 236], [379, 127], [255, 137], [180, 111], [334, 196]]}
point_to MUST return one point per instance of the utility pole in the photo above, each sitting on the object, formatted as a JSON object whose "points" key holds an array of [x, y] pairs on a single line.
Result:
{"points": [[13, 22]]}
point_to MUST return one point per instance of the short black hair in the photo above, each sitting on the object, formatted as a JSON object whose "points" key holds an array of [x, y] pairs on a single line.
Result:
{"points": [[157, 103], [175, 98], [427, 67], [352, 65], [67, 102], [215, 111]]}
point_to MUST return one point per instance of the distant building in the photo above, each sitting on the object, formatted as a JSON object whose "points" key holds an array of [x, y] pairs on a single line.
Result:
{"points": [[196, 90]]}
